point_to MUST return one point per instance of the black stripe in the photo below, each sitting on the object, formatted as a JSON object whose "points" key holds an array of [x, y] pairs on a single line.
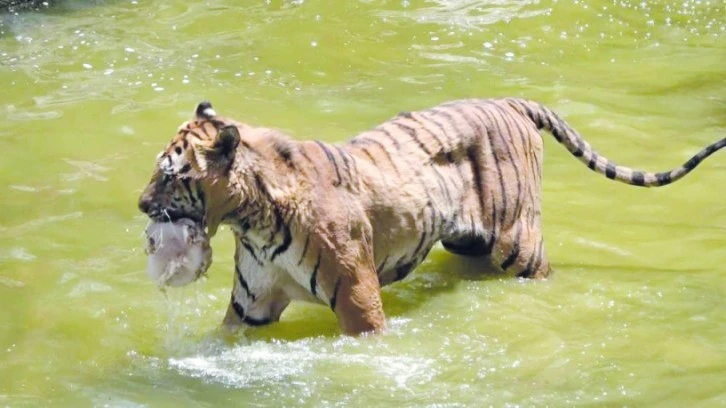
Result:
{"points": [[512, 161], [333, 300], [195, 134], [449, 119], [526, 143], [331, 159], [390, 137], [244, 284], [237, 308], [422, 125], [203, 198], [201, 126], [313, 282], [304, 154], [444, 149], [353, 161], [638, 178], [402, 271], [443, 185], [489, 245], [515, 249], [455, 148], [610, 171], [532, 115], [261, 186], [187, 186], [253, 321], [185, 169], [368, 154], [592, 164], [285, 244], [547, 121], [273, 233], [346, 163], [540, 257], [424, 233], [284, 149], [383, 148], [581, 148], [475, 169], [249, 249], [511, 258], [497, 165], [305, 250], [529, 269], [244, 224], [472, 154], [380, 267], [663, 178], [693, 161], [412, 133]]}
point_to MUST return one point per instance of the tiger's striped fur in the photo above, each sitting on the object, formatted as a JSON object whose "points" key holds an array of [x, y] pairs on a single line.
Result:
{"points": [[333, 223]]}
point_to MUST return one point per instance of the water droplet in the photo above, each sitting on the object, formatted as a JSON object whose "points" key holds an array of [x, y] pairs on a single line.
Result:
{"points": [[313, 44]]}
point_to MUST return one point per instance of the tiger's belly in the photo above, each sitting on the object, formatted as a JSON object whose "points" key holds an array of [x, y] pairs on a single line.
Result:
{"points": [[397, 263]]}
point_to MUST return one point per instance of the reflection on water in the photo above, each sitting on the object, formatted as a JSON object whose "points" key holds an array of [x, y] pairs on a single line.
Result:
{"points": [[632, 315]]}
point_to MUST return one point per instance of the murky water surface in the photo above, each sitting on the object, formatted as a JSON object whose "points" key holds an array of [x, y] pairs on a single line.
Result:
{"points": [[634, 316]]}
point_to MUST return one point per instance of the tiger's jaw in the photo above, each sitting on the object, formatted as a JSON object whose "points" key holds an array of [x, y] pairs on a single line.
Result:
{"points": [[177, 244]]}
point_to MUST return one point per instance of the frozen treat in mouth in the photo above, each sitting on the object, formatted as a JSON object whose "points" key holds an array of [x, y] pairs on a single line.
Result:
{"points": [[178, 252]]}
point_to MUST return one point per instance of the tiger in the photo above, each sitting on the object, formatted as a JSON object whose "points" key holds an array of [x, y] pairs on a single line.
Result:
{"points": [[334, 223]]}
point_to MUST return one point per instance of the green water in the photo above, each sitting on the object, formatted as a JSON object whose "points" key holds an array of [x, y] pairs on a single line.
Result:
{"points": [[634, 315]]}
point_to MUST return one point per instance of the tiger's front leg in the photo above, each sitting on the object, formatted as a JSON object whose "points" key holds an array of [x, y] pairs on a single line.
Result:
{"points": [[256, 298], [347, 275], [358, 305]]}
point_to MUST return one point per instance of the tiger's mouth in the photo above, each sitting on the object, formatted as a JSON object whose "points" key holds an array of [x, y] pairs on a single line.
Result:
{"points": [[174, 215]]}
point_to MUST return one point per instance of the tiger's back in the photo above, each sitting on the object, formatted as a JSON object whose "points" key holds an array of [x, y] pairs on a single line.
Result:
{"points": [[465, 173]]}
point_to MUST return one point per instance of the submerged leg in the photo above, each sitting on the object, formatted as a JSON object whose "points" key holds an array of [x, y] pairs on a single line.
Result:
{"points": [[357, 304], [520, 250]]}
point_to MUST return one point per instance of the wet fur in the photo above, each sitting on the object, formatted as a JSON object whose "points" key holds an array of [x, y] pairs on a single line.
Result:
{"points": [[331, 224]]}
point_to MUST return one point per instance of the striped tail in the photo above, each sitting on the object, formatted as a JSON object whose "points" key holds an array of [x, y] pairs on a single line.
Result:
{"points": [[548, 120]]}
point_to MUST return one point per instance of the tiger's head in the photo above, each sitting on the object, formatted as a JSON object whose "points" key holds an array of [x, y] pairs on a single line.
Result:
{"points": [[190, 180]]}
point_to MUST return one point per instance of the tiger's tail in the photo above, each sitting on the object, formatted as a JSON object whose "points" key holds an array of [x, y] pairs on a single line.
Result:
{"points": [[544, 118]]}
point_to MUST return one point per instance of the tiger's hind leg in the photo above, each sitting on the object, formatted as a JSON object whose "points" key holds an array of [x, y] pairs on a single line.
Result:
{"points": [[520, 250]]}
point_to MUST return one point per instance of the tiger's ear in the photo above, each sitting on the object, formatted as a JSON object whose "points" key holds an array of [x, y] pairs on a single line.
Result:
{"points": [[227, 141], [205, 111], [219, 154]]}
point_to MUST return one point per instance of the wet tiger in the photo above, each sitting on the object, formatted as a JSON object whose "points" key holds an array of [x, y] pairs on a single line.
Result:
{"points": [[332, 224]]}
